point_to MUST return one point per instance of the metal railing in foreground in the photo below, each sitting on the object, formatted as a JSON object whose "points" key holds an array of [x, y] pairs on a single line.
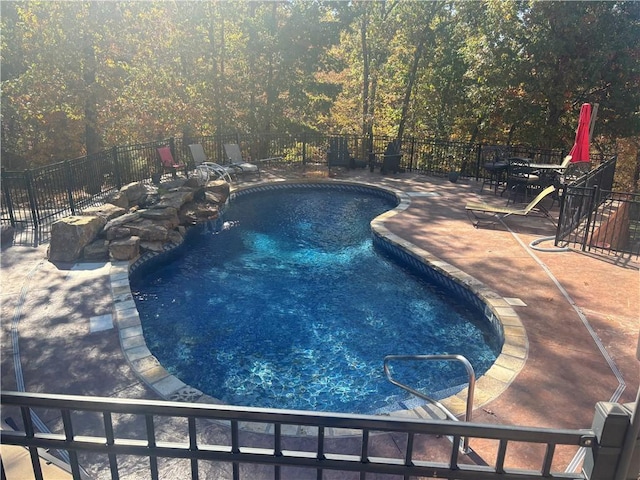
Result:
{"points": [[116, 428], [433, 358]]}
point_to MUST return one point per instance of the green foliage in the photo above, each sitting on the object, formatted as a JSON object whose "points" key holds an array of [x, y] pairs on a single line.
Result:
{"points": [[79, 76]]}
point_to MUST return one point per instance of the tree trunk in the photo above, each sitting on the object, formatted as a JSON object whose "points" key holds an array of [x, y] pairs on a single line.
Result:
{"points": [[92, 138], [365, 72], [217, 65], [413, 72]]}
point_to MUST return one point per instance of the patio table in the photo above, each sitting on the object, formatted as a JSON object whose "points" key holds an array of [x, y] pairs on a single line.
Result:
{"points": [[547, 172]]}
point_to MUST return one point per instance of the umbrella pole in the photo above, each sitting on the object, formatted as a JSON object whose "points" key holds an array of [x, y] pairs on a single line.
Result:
{"points": [[592, 122]]}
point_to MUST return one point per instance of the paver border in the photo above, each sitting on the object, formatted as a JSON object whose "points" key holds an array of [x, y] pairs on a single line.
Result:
{"points": [[496, 308]]}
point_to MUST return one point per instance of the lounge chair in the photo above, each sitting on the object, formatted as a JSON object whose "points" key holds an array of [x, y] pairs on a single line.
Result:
{"points": [[167, 162], [205, 169], [234, 157], [482, 213], [565, 163]]}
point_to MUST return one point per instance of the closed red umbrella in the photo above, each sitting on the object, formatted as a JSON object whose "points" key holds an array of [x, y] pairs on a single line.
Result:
{"points": [[580, 150]]}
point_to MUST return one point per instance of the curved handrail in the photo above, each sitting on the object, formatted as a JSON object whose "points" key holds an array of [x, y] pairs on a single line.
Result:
{"points": [[210, 167], [445, 357]]}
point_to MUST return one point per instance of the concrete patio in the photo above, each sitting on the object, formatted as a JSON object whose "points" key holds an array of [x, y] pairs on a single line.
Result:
{"points": [[581, 315]]}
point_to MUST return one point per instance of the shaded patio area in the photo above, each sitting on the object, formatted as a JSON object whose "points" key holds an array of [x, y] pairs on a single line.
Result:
{"points": [[580, 313]]}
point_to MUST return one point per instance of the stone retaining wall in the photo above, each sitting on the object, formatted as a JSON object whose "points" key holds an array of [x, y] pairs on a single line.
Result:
{"points": [[139, 218]]}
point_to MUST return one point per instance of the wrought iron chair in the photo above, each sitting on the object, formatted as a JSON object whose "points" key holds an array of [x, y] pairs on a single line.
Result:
{"points": [[495, 164], [522, 181]]}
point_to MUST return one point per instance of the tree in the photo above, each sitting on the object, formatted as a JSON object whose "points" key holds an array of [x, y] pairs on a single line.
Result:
{"points": [[80, 76]]}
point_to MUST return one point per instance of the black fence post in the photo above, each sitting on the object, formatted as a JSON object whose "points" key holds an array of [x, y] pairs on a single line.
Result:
{"points": [[478, 160], [413, 152], [33, 203], [69, 183], [562, 198], [116, 167], [7, 197], [304, 148], [593, 210]]}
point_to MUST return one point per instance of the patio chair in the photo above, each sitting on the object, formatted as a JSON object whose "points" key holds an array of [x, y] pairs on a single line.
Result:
{"points": [[484, 214], [521, 179], [391, 158], [168, 164], [234, 157], [338, 155], [552, 175], [205, 169], [495, 164]]}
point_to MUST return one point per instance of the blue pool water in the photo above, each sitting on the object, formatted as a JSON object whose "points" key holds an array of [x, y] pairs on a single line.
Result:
{"points": [[289, 305]]}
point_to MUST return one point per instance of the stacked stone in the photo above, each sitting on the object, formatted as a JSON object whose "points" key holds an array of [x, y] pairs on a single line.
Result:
{"points": [[139, 218]]}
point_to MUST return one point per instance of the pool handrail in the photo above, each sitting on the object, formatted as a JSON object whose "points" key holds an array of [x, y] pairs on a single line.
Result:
{"points": [[445, 357]]}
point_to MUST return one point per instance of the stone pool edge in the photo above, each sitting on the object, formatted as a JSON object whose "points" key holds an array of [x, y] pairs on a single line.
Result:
{"points": [[491, 384], [497, 310]]}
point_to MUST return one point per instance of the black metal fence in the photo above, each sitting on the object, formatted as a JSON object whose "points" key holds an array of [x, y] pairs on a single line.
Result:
{"points": [[594, 218], [600, 221], [179, 440], [33, 199], [578, 199]]}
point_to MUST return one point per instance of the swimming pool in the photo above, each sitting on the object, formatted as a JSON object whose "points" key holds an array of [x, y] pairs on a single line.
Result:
{"points": [[289, 305]]}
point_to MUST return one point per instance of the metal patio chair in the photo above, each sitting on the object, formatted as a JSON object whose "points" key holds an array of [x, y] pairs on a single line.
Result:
{"points": [[167, 162]]}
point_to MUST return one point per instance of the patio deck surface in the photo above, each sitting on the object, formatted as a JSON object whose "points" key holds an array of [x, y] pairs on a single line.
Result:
{"points": [[581, 315]]}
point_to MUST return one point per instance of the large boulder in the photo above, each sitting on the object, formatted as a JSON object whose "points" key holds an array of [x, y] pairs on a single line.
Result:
{"points": [[137, 190], [108, 211], [175, 199], [116, 233], [168, 217], [119, 221], [71, 234], [218, 187], [125, 249], [118, 199], [148, 230], [96, 251], [193, 213], [214, 197]]}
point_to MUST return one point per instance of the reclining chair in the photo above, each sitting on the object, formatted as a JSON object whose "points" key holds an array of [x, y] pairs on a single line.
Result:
{"points": [[234, 157], [484, 214], [205, 169]]}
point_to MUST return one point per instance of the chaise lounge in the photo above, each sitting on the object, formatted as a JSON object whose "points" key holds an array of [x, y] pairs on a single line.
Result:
{"points": [[484, 214]]}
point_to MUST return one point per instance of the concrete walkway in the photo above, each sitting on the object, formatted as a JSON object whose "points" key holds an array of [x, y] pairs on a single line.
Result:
{"points": [[581, 314]]}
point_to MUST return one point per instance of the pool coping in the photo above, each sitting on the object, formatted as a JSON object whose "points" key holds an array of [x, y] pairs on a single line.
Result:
{"points": [[497, 310]]}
